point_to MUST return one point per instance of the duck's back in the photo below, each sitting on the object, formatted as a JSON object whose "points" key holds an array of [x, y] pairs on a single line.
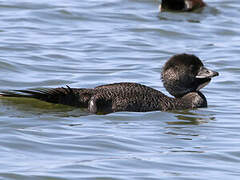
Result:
{"points": [[127, 97], [102, 99]]}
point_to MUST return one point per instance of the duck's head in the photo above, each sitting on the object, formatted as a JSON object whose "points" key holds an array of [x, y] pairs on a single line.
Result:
{"points": [[181, 5], [184, 73]]}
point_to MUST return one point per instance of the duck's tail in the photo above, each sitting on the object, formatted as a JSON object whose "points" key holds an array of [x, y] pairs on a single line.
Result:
{"points": [[67, 96]]}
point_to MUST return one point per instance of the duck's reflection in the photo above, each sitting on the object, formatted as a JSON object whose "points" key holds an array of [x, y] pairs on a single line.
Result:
{"points": [[191, 117], [28, 106]]}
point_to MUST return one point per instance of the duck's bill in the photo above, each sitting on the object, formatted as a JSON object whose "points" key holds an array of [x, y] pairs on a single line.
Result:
{"points": [[206, 73]]}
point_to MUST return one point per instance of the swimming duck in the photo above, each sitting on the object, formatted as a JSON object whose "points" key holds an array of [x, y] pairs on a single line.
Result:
{"points": [[181, 5], [183, 76]]}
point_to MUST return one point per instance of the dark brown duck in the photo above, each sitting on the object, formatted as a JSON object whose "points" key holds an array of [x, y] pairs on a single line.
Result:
{"points": [[181, 5], [183, 76]]}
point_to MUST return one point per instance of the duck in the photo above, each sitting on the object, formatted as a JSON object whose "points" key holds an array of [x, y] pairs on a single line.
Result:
{"points": [[181, 5], [183, 75]]}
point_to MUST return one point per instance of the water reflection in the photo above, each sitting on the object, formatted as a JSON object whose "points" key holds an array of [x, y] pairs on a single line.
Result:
{"points": [[29, 107], [191, 117]]}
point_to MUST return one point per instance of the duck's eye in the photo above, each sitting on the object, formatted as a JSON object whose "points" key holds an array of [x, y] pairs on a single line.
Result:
{"points": [[192, 68]]}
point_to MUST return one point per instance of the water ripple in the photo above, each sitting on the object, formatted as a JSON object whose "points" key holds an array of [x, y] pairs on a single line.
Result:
{"points": [[89, 43]]}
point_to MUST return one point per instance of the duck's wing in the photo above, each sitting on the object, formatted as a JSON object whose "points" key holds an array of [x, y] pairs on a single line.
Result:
{"points": [[67, 96]]}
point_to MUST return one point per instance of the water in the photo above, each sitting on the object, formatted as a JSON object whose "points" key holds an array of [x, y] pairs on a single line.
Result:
{"points": [[88, 43]]}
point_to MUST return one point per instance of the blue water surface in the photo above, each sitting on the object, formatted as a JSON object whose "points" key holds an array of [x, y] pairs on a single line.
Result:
{"points": [[90, 42]]}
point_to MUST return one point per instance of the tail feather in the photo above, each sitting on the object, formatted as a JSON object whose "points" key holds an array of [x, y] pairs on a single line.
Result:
{"points": [[66, 96], [12, 94]]}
